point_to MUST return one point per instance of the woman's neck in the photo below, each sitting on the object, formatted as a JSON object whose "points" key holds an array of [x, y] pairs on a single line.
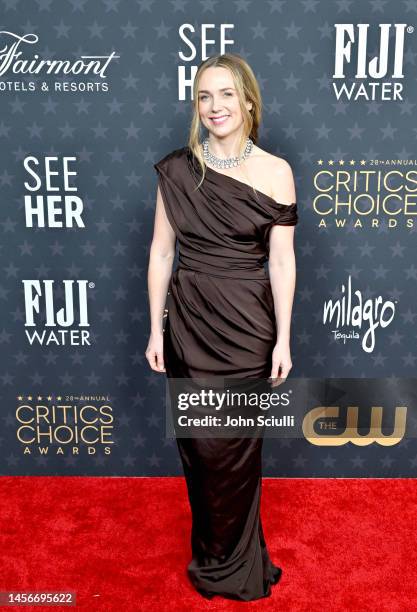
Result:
{"points": [[224, 147]]}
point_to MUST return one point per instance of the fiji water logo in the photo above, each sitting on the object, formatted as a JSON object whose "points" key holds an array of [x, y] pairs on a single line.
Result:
{"points": [[354, 317], [51, 324], [358, 76]]}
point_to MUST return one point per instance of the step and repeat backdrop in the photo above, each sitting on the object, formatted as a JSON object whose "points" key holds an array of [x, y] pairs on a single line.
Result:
{"points": [[92, 94]]}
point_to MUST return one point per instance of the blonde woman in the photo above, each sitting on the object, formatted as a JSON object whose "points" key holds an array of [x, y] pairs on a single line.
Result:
{"points": [[231, 206]]}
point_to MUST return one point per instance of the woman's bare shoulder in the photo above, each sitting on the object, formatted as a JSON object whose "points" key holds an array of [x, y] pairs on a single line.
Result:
{"points": [[272, 162], [277, 174]]}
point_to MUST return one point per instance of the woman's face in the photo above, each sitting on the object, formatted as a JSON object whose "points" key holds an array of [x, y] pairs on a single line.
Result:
{"points": [[218, 102]]}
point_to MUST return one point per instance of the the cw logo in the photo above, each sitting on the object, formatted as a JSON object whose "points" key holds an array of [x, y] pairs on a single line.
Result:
{"points": [[350, 433]]}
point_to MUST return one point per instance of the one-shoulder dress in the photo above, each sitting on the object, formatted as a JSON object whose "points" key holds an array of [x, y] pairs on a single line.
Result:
{"points": [[221, 322]]}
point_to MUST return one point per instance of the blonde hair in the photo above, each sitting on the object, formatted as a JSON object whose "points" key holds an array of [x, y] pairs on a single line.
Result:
{"points": [[247, 89]]}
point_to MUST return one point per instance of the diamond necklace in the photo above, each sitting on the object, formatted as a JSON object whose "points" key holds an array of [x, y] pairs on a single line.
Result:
{"points": [[229, 162]]}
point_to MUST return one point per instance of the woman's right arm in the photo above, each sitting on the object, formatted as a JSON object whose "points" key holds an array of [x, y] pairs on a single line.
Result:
{"points": [[161, 259]]}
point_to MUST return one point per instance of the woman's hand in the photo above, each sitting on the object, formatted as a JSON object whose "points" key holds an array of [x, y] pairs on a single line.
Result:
{"points": [[155, 352], [281, 363]]}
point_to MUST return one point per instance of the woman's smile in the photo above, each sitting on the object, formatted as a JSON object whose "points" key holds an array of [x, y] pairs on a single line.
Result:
{"points": [[219, 120]]}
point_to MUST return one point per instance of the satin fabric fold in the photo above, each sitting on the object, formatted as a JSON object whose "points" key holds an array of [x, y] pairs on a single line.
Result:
{"points": [[221, 323], [223, 226]]}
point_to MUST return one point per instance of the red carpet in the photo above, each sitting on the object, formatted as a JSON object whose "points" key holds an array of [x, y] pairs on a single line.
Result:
{"points": [[123, 543]]}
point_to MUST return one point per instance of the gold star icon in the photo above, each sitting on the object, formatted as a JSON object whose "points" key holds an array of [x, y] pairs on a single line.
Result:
{"points": [[320, 162], [331, 162]]}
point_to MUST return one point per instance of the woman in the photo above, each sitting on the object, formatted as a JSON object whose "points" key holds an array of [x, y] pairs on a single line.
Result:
{"points": [[226, 317]]}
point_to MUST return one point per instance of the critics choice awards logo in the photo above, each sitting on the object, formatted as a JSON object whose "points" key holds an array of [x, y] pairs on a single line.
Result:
{"points": [[365, 194], [64, 424]]}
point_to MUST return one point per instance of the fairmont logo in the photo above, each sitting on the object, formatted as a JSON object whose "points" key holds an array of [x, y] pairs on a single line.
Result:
{"points": [[351, 311], [11, 61]]}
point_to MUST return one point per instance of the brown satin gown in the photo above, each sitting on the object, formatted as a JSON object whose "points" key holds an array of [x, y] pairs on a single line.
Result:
{"points": [[221, 322]]}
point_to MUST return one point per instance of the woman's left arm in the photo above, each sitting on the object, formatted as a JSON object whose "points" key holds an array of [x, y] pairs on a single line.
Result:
{"points": [[282, 271]]}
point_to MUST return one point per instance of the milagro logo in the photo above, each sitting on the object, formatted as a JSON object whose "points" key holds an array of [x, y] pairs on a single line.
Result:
{"points": [[352, 311], [13, 62], [351, 51]]}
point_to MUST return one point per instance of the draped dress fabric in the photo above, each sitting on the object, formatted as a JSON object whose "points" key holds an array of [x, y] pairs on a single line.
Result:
{"points": [[221, 322]]}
